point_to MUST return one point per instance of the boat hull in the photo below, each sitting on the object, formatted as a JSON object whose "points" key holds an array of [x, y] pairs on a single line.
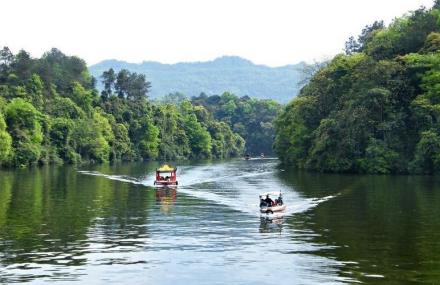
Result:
{"points": [[165, 183], [268, 210]]}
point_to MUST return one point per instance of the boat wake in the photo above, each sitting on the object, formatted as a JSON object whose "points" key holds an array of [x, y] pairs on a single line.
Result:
{"points": [[220, 184], [122, 178]]}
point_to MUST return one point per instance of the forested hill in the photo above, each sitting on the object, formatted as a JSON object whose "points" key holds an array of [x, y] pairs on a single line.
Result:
{"points": [[50, 112], [375, 109], [231, 73]]}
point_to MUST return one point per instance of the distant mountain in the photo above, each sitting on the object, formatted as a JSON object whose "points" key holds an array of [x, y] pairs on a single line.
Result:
{"points": [[227, 73]]}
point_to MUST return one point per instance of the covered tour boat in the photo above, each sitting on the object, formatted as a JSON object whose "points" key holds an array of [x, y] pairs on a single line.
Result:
{"points": [[268, 205], [166, 176]]}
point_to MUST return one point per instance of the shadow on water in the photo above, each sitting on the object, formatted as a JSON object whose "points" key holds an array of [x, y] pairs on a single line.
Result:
{"points": [[54, 216], [383, 229]]}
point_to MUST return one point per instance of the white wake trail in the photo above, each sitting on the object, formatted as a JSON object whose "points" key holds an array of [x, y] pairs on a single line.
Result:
{"points": [[245, 200]]}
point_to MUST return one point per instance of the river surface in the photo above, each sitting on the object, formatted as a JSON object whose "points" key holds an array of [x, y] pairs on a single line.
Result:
{"points": [[106, 224]]}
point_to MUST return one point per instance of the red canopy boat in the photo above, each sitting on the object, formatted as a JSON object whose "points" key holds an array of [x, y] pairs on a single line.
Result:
{"points": [[166, 175]]}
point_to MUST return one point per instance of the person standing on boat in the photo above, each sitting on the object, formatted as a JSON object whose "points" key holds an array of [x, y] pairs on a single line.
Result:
{"points": [[268, 201]]}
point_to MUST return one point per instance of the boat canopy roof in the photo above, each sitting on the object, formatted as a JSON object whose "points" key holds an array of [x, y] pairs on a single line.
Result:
{"points": [[166, 168], [270, 194]]}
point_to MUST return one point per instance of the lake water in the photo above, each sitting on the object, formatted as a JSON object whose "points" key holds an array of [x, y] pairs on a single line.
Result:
{"points": [[106, 224]]}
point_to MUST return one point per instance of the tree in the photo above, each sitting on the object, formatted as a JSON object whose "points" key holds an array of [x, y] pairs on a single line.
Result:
{"points": [[82, 97], [34, 87], [378, 159], [108, 79], [61, 71], [23, 65], [5, 141], [352, 45], [122, 148], [252, 119], [375, 109], [432, 43], [427, 155], [368, 32], [199, 137], [149, 139], [24, 125], [61, 133], [53, 114], [6, 58], [131, 86], [89, 141]]}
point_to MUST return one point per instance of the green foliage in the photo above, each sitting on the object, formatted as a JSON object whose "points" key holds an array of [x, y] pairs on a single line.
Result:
{"points": [[374, 110], [148, 139], [294, 131], [34, 87], [352, 45], [89, 140], [61, 71], [5, 140], [174, 140], [405, 35], [131, 86], [122, 148], [427, 155], [252, 119], [378, 158], [82, 97], [61, 138], [198, 137], [52, 114], [432, 43], [65, 108], [225, 143], [24, 125]]}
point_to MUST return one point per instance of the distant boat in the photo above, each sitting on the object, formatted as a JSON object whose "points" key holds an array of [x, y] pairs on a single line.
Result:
{"points": [[262, 155], [166, 176], [247, 156]]}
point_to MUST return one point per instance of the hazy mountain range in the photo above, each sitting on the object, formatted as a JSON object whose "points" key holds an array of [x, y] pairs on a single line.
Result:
{"points": [[227, 73]]}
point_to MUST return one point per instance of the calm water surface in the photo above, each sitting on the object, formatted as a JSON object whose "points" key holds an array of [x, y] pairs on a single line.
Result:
{"points": [[106, 224]]}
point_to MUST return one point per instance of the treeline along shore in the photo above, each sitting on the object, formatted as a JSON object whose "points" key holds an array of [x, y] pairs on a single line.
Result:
{"points": [[374, 109], [51, 112]]}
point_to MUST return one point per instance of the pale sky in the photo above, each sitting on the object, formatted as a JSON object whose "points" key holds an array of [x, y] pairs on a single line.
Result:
{"points": [[274, 33]]}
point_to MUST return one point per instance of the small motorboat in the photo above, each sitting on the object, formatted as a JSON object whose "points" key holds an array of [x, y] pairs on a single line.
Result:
{"points": [[166, 176], [269, 206], [247, 156]]}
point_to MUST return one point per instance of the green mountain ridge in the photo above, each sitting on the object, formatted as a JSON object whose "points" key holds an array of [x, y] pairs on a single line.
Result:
{"points": [[228, 73]]}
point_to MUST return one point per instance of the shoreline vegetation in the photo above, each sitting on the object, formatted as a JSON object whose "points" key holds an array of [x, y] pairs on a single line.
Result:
{"points": [[374, 109], [51, 113]]}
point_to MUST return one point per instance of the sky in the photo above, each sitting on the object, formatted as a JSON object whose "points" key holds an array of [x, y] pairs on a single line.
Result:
{"points": [[269, 32]]}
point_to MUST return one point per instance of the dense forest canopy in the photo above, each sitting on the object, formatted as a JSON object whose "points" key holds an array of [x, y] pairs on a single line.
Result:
{"points": [[249, 117], [374, 109], [50, 112]]}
